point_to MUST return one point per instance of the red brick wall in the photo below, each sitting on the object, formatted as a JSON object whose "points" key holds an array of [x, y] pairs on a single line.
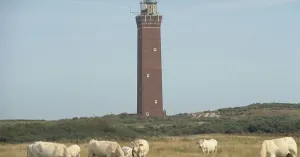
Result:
{"points": [[149, 89]]}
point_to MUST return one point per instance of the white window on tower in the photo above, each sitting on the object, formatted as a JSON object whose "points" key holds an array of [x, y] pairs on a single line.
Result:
{"points": [[155, 101], [147, 114], [154, 49], [148, 75]]}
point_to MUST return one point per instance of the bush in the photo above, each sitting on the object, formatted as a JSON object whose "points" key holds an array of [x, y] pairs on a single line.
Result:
{"points": [[125, 126]]}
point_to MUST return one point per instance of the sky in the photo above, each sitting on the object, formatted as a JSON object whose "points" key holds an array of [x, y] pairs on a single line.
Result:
{"points": [[77, 58]]}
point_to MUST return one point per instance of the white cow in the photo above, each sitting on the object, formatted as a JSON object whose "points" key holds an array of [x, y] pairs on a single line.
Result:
{"points": [[104, 149], [279, 147], [49, 149], [208, 145], [140, 148], [74, 150], [127, 151]]}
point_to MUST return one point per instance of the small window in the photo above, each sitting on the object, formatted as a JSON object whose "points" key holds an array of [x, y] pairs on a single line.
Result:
{"points": [[150, 9], [147, 114], [155, 101], [154, 49], [154, 9], [148, 75]]}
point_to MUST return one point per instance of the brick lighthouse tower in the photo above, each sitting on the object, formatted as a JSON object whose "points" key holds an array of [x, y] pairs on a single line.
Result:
{"points": [[149, 67]]}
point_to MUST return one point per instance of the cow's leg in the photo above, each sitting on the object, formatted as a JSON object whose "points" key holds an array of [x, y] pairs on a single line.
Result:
{"points": [[78, 155], [35, 155], [293, 154]]}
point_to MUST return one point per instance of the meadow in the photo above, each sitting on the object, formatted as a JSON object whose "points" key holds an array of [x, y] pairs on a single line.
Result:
{"points": [[185, 146]]}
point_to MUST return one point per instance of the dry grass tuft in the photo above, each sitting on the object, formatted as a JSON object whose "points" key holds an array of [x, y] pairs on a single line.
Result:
{"points": [[229, 146]]}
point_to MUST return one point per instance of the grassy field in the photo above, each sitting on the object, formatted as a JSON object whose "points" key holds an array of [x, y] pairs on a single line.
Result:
{"points": [[228, 146]]}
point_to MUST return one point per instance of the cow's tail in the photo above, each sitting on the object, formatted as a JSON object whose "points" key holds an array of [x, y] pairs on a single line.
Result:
{"points": [[216, 148], [292, 147], [263, 150], [66, 152]]}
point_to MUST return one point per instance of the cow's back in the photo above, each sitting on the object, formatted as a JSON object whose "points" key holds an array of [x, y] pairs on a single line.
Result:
{"points": [[48, 149], [274, 145], [99, 147], [290, 141], [211, 143], [102, 148], [282, 145], [215, 142], [74, 150]]}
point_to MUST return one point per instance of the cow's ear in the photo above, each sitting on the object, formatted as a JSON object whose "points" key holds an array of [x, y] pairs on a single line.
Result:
{"points": [[141, 144]]}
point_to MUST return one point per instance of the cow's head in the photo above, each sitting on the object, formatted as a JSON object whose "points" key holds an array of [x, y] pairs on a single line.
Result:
{"points": [[200, 143], [137, 149]]}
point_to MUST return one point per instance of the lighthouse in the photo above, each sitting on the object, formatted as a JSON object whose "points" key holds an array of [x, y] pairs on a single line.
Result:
{"points": [[149, 64]]}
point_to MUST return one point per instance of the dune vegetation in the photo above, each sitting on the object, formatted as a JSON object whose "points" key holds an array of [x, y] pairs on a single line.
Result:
{"points": [[239, 130], [273, 118]]}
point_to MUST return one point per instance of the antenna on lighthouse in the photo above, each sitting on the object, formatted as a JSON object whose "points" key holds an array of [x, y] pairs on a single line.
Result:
{"points": [[133, 12]]}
